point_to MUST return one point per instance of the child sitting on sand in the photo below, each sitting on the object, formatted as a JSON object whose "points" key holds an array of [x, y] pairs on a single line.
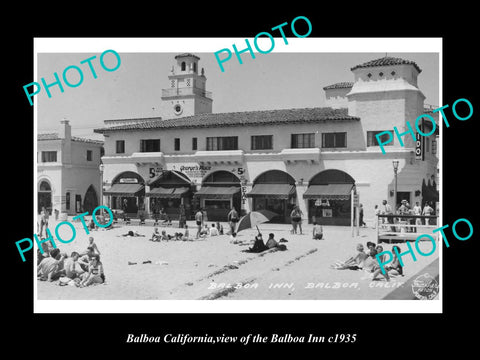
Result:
{"points": [[353, 262], [165, 236], [156, 235], [204, 232], [214, 231]]}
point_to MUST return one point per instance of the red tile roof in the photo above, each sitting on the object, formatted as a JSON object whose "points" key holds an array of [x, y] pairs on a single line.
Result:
{"points": [[246, 118], [340, 85], [54, 136], [387, 61]]}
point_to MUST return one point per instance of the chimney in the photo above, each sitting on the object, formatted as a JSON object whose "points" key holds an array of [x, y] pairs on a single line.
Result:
{"points": [[65, 130], [65, 134]]}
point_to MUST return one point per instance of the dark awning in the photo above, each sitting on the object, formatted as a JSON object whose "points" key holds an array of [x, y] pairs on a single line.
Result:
{"points": [[278, 191], [127, 190], [218, 192], [329, 191], [161, 192]]}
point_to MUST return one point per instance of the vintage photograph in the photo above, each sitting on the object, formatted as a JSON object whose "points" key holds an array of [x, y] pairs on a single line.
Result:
{"points": [[278, 180]]}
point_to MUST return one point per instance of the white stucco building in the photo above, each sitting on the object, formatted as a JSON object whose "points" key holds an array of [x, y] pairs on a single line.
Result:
{"points": [[68, 175], [311, 157]]}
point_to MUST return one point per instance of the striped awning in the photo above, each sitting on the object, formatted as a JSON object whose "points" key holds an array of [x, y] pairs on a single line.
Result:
{"points": [[161, 192], [329, 192], [277, 191], [126, 190], [218, 192]]}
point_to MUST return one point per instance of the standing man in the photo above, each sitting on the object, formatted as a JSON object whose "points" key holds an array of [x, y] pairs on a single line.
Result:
{"points": [[417, 210], [199, 221], [387, 210], [233, 219], [427, 211], [360, 217]]}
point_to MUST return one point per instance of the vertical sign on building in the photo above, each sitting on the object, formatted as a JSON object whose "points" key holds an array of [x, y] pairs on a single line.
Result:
{"points": [[419, 144]]}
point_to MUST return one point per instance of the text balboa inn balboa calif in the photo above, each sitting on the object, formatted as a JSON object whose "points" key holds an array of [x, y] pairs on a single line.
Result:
{"points": [[275, 159]]}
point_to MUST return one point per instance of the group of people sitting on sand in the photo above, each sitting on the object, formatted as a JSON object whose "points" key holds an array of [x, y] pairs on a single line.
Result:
{"points": [[260, 246], [163, 236], [78, 269], [213, 230], [367, 261]]}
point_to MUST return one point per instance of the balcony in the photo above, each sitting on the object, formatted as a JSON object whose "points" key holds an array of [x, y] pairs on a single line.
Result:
{"points": [[186, 91]]}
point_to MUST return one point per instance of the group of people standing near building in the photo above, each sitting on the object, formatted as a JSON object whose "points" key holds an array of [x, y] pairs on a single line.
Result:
{"points": [[406, 209]]}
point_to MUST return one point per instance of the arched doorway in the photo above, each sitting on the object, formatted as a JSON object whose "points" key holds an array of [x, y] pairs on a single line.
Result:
{"points": [[274, 190], [127, 192], [329, 197], [44, 196], [220, 192], [90, 200], [170, 190]]}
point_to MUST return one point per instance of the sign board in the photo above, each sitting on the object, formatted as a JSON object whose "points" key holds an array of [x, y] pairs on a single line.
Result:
{"points": [[419, 144], [128, 181]]}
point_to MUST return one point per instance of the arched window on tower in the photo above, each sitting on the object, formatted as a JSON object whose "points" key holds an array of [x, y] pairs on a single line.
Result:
{"points": [[194, 67], [183, 65]]}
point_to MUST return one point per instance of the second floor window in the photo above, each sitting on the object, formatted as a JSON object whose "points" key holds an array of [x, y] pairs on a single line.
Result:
{"points": [[49, 156], [334, 140], [373, 141], [177, 144], [262, 142], [120, 146], [89, 155], [303, 141], [194, 143], [150, 145], [222, 143]]}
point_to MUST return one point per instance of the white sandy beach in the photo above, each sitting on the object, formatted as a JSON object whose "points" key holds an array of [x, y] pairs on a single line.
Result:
{"points": [[197, 269]]}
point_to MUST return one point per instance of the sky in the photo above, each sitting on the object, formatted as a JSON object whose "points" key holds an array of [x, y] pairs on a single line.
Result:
{"points": [[278, 80]]}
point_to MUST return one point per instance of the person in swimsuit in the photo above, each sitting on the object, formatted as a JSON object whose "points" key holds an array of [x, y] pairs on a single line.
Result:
{"points": [[95, 273]]}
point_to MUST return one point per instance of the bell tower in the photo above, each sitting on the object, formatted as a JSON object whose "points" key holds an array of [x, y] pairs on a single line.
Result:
{"points": [[186, 95]]}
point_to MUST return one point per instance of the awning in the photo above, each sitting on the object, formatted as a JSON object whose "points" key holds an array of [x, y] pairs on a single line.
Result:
{"points": [[329, 192], [218, 192], [277, 191], [161, 192], [127, 190]]}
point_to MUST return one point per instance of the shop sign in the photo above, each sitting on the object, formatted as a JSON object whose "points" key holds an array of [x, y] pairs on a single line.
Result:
{"points": [[128, 181], [154, 171]]}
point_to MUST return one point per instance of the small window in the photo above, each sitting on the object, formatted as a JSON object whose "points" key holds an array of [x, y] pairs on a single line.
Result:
{"points": [[369, 75], [89, 155], [67, 200], [334, 140], [150, 145], [381, 74], [303, 141], [183, 65], [195, 67], [194, 143], [49, 156], [177, 144], [373, 141], [120, 146], [262, 142]]}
